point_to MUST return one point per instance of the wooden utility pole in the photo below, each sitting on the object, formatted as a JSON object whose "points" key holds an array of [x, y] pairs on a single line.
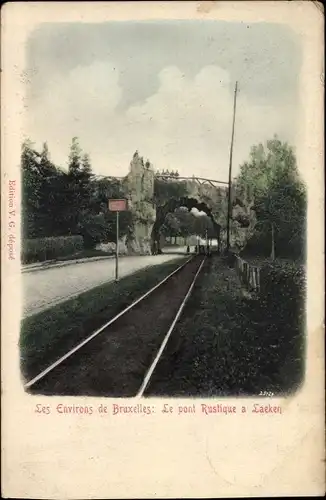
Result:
{"points": [[230, 172]]}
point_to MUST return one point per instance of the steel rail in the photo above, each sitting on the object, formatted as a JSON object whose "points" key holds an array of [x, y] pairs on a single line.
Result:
{"points": [[167, 336], [51, 367]]}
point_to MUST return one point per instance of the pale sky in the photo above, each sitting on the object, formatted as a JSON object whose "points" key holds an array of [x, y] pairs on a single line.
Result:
{"points": [[164, 88]]}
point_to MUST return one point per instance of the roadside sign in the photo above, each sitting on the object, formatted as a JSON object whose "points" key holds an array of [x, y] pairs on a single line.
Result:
{"points": [[117, 205]]}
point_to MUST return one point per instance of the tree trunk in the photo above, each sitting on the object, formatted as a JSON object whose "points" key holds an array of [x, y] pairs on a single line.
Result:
{"points": [[219, 242], [175, 240], [273, 244]]}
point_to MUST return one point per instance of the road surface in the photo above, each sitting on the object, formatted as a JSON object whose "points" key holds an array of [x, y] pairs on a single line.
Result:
{"points": [[45, 288]]}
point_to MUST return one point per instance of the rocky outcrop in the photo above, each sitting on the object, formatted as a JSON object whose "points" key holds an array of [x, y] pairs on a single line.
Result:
{"points": [[243, 220], [110, 247], [139, 185]]}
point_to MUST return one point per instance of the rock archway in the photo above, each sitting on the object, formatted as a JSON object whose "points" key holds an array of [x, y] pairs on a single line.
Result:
{"points": [[150, 200], [171, 206]]}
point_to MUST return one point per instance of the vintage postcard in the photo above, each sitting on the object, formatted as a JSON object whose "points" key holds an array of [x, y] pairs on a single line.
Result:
{"points": [[162, 249]]}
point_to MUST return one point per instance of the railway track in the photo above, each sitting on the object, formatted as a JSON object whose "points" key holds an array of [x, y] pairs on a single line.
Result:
{"points": [[119, 359]]}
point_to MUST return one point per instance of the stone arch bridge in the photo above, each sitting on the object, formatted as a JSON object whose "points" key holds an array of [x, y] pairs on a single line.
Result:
{"points": [[151, 196]]}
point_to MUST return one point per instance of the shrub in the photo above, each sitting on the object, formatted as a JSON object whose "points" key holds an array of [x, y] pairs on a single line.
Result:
{"points": [[287, 245], [282, 306], [283, 287], [41, 249]]}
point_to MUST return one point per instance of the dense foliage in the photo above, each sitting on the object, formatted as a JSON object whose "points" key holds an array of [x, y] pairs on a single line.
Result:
{"points": [[42, 249], [183, 223], [65, 202], [269, 185]]}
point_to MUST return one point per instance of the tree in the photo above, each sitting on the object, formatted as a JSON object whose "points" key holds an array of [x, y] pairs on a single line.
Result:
{"points": [[51, 195], [271, 182], [57, 203], [186, 222], [172, 226], [204, 227], [30, 189], [183, 223], [43, 188], [74, 165], [103, 190], [78, 188]]}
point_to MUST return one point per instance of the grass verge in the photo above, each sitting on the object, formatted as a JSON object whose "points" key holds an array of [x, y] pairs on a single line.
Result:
{"points": [[47, 335]]}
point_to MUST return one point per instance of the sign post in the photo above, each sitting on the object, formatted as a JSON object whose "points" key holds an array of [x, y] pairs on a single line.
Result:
{"points": [[117, 206], [117, 251]]}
